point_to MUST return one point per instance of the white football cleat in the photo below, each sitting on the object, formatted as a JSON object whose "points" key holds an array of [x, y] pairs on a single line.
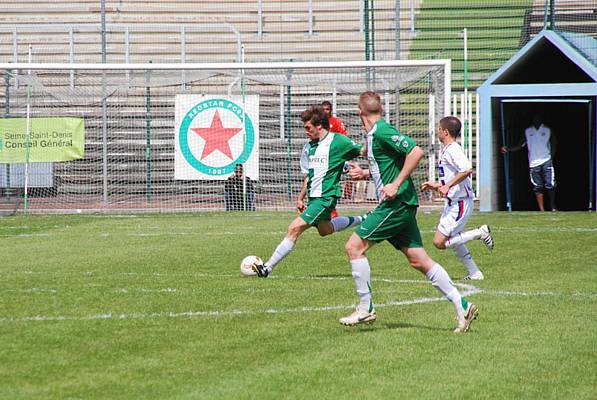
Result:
{"points": [[464, 321], [359, 316], [477, 276], [486, 237]]}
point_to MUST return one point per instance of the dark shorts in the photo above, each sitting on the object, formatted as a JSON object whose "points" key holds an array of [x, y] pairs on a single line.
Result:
{"points": [[392, 221], [543, 176], [319, 209]]}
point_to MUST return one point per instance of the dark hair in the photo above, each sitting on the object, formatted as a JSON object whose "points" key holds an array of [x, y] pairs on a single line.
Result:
{"points": [[238, 167], [326, 103], [452, 125], [316, 116]]}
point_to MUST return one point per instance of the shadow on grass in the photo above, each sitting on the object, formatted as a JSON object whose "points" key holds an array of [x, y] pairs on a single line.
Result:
{"points": [[322, 276], [406, 325], [362, 328]]}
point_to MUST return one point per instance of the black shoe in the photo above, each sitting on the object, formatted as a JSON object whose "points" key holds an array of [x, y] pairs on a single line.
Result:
{"points": [[261, 270]]}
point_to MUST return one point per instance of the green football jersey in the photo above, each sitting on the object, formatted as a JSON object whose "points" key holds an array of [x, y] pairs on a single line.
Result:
{"points": [[386, 151], [324, 160]]}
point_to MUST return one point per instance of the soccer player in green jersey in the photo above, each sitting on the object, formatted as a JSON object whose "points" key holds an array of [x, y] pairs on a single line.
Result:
{"points": [[392, 158], [322, 162]]}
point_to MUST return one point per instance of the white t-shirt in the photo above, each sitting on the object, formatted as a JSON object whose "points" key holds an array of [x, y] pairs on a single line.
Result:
{"points": [[452, 160], [538, 145]]}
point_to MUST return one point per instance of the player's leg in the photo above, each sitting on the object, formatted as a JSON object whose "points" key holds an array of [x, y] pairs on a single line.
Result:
{"points": [[318, 210], [550, 184], [445, 227], [408, 240], [295, 229], [338, 224], [539, 197], [327, 223], [452, 223], [356, 247], [466, 311], [462, 253], [380, 224], [482, 233], [538, 183], [454, 220], [226, 201], [439, 240]]}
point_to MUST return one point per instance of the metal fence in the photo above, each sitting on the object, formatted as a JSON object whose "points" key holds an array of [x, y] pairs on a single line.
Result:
{"points": [[283, 30]]}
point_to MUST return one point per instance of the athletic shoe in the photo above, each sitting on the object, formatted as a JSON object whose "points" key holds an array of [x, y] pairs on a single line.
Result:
{"points": [[486, 237], [477, 276], [261, 270], [464, 321], [359, 316]]}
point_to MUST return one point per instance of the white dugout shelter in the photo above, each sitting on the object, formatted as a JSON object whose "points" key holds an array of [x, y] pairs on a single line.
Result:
{"points": [[555, 76]]}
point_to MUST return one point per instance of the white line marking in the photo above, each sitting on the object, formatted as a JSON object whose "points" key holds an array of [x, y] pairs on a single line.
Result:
{"points": [[200, 231], [537, 294], [467, 290], [105, 234], [544, 229], [32, 290]]}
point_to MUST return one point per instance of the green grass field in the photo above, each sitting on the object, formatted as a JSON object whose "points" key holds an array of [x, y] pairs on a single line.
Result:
{"points": [[154, 307]]}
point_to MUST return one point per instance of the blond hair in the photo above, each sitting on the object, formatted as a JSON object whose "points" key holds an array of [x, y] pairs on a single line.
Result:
{"points": [[370, 103]]}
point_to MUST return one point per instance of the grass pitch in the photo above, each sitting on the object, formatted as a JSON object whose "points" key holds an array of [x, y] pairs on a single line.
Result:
{"points": [[154, 307]]}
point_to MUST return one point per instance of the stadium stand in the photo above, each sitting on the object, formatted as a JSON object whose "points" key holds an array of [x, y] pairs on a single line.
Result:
{"points": [[576, 16], [213, 32], [279, 32]]}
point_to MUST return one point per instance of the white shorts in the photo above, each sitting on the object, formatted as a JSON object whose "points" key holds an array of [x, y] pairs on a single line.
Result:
{"points": [[455, 216]]}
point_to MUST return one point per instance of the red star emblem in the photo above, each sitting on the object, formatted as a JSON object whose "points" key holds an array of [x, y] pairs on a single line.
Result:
{"points": [[216, 137]]}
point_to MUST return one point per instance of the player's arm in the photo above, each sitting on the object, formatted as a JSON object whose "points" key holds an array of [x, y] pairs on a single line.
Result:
{"points": [[430, 185], [356, 172], [411, 161], [553, 143], [519, 146], [459, 177], [301, 202]]}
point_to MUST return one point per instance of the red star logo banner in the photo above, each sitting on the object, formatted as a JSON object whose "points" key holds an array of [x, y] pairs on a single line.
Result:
{"points": [[216, 137]]}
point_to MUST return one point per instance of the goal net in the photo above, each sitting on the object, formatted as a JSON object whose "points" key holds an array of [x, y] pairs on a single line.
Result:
{"points": [[175, 137]]}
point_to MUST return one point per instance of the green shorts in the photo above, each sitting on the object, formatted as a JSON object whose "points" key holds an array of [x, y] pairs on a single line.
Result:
{"points": [[319, 209], [393, 221]]}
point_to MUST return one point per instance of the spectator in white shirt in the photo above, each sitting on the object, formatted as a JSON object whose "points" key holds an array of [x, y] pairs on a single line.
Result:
{"points": [[541, 146]]}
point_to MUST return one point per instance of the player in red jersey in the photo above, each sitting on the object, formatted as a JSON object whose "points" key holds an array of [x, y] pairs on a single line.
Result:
{"points": [[336, 124]]}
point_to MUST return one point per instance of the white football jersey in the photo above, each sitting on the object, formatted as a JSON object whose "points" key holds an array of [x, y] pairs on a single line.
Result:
{"points": [[538, 145], [452, 160]]}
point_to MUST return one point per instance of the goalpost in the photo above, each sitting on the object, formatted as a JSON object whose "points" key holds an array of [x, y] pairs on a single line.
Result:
{"points": [[147, 137]]}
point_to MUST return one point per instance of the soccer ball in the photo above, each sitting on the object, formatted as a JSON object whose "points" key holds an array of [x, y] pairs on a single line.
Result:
{"points": [[246, 265]]}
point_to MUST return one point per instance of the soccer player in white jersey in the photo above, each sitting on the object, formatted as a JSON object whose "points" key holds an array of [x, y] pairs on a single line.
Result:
{"points": [[541, 145], [455, 186], [392, 158], [322, 161]]}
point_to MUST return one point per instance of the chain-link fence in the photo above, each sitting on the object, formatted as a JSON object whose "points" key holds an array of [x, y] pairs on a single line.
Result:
{"points": [[477, 35], [282, 30]]}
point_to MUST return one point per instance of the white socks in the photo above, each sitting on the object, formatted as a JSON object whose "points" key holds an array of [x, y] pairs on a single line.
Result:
{"points": [[466, 259], [463, 237], [361, 274], [283, 249], [441, 280], [341, 223]]}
